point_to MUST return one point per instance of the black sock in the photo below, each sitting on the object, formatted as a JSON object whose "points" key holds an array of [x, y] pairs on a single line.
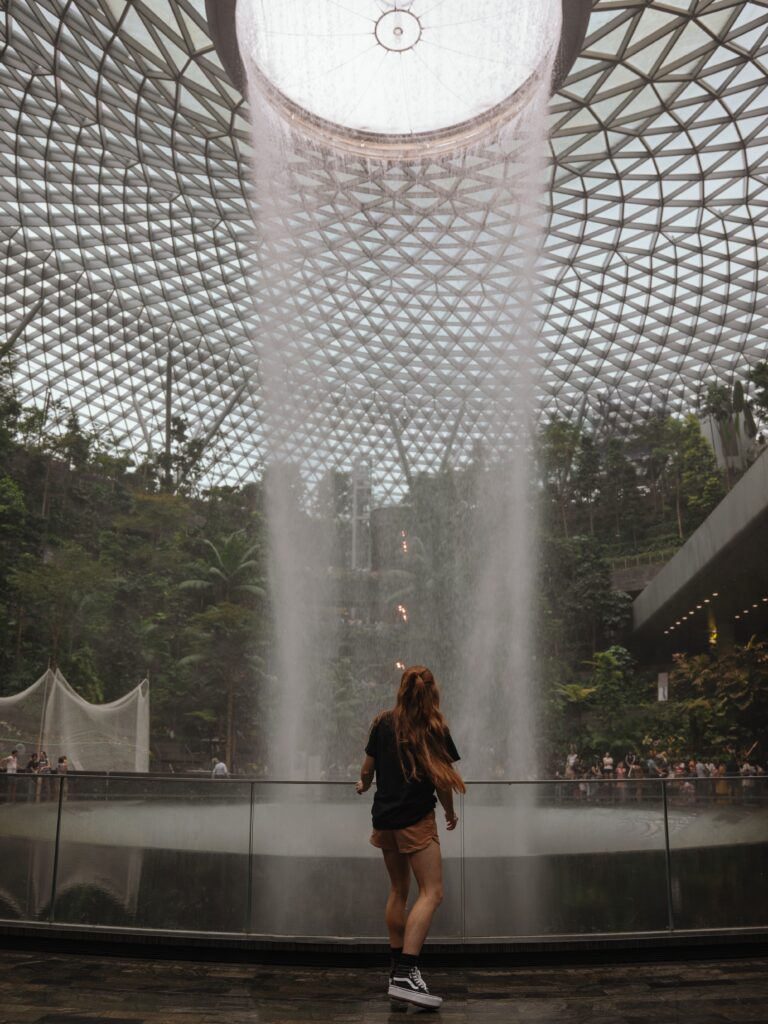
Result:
{"points": [[395, 953], [405, 963]]}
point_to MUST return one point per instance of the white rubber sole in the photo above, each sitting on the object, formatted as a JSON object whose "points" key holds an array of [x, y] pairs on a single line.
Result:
{"points": [[422, 999]]}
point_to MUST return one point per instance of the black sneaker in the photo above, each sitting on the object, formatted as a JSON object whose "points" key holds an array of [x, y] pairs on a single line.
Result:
{"points": [[394, 1005], [411, 988]]}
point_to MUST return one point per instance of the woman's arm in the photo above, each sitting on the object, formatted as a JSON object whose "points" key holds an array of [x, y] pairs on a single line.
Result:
{"points": [[445, 796], [366, 774]]}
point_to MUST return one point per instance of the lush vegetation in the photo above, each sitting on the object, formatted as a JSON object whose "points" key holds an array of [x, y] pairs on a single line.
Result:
{"points": [[115, 570], [643, 492]]}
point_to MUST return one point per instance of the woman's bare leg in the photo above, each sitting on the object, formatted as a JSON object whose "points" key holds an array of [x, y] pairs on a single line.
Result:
{"points": [[399, 868], [427, 866]]}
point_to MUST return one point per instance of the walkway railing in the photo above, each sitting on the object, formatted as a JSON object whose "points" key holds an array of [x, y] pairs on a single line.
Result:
{"points": [[292, 860], [641, 558]]}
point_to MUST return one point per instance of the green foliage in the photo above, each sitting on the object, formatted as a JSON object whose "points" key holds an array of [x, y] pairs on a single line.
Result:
{"points": [[718, 706], [13, 510], [559, 449], [230, 571], [578, 607], [613, 679], [758, 379], [718, 402], [61, 595], [574, 694], [727, 696], [92, 558], [701, 486], [115, 570]]}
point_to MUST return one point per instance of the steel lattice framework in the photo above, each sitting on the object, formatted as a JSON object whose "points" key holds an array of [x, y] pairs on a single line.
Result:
{"points": [[127, 233]]}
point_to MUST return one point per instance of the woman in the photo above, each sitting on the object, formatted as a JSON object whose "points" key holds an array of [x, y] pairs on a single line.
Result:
{"points": [[410, 750]]}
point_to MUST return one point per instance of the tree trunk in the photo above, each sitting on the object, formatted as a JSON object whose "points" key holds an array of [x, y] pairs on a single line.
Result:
{"points": [[55, 637], [44, 503], [678, 510], [19, 631], [229, 750]]}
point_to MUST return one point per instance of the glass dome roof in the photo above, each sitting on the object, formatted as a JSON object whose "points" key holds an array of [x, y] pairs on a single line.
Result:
{"points": [[127, 236], [418, 68]]}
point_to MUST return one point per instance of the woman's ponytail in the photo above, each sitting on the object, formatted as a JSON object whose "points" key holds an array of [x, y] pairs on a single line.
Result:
{"points": [[421, 731]]}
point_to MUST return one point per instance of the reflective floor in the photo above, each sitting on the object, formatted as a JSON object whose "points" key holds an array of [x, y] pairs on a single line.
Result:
{"points": [[38, 988]]}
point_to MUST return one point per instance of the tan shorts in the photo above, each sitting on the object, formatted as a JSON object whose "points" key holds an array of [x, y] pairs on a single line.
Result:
{"points": [[407, 840]]}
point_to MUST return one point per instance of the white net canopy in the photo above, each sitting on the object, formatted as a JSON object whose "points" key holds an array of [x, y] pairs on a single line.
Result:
{"points": [[50, 715]]}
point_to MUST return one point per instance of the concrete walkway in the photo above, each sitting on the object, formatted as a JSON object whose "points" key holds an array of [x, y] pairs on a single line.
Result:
{"points": [[41, 988]]}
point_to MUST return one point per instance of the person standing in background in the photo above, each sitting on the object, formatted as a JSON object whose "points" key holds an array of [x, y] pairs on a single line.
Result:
{"points": [[10, 765]]}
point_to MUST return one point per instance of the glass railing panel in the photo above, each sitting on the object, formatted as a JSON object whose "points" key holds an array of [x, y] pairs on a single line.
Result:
{"points": [[564, 858], [28, 812], [718, 838], [315, 872], [164, 854]]}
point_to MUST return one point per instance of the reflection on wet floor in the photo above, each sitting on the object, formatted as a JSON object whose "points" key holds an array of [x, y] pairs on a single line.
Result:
{"points": [[41, 988]]}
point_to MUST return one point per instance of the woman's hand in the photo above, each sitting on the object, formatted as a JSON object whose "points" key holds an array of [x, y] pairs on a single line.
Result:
{"points": [[366, 775], [451, 820]]}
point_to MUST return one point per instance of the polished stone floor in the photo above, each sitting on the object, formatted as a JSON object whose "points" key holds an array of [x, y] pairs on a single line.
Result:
{"points": [[46, 988]]}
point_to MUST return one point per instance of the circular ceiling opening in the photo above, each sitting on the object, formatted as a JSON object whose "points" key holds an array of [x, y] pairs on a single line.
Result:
{"points": [[398, 78]]}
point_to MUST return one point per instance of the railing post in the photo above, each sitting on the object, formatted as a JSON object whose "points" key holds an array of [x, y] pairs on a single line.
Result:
{"points": [[249, 911], [667, 857], [462, 870], [55, 872]]}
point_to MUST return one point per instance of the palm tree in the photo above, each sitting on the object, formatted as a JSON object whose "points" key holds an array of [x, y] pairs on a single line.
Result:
{"points": [[224, 632], [229, 571]]}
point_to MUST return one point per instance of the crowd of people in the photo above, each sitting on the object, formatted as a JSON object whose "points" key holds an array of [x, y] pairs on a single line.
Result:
{"points": [[692, 778], [39, 765]]}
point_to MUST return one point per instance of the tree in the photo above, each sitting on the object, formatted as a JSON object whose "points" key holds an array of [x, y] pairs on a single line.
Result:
{"points": [[575, 699], [699, 484], [613, 680], [587, 479], [224, 650], [231, 570], [224, 635], [720, 402], [758, 379], [726, 696], [577, 598], [619, 499], [558, 450], [58, 600]]}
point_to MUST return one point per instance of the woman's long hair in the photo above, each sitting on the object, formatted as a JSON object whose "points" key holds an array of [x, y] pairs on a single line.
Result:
{"points": [[420, 731]]}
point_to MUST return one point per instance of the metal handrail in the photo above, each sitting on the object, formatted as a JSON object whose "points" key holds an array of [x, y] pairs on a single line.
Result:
{"points": [[661, 790]]}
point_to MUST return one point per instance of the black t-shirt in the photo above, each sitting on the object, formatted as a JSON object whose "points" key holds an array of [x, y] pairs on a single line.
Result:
{"points": [[398, 802]]}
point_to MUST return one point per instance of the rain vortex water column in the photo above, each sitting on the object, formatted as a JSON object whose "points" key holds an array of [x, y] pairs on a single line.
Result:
{"points": [[397, 175]]}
